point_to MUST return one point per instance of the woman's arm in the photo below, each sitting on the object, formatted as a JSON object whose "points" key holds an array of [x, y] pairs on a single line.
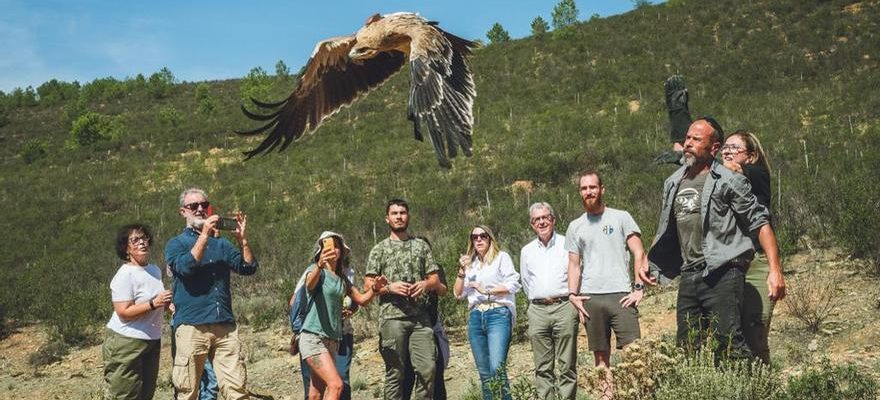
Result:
{"points": [[509, 277], [458, 286], [128, 311]]}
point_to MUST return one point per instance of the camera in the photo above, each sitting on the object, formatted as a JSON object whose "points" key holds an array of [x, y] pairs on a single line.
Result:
{"points": [[227, 224]]}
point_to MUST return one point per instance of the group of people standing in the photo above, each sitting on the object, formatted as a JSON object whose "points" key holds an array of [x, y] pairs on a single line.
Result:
{"points": [[714, 219]]}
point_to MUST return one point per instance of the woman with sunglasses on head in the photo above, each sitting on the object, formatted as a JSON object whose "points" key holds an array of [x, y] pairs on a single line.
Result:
{"points": [[322, 329], [487, 279], [742, 152], [131, 348]]}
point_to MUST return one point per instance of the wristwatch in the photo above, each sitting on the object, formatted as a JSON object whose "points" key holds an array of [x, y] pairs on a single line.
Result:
{"points": [[638, 286]]}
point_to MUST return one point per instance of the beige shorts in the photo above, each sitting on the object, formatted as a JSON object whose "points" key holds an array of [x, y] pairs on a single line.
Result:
{"points": [[311, 344]]}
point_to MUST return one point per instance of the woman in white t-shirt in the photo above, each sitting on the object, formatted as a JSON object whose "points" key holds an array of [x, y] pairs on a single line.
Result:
{"points": [[488, 280], [131, 349]]}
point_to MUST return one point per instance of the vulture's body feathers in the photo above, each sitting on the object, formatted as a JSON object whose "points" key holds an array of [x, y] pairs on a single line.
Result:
{"points": [[344, 68]]}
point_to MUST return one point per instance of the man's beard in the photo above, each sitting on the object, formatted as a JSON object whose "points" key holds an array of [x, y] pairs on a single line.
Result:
{"points": [[592, 203], [195, 222], [399, 229], [691, 160]]}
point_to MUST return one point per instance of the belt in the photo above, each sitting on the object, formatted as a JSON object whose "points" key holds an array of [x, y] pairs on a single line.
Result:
{"points": [[550, 301], [487, 306]]}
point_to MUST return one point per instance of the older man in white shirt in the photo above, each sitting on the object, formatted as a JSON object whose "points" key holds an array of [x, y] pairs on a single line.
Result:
{"points": [[553, 320]]}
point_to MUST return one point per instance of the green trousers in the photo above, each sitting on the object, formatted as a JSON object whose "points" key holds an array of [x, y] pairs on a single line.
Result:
{"points": [[405, 342], [131, 366], [553, 331], [757, 308]]}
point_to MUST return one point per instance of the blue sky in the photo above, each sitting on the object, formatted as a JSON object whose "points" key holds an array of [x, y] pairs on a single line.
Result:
{"points": [[205, 40]]}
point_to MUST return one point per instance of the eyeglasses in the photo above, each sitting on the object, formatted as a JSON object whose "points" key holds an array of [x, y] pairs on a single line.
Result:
{"points": [[484, 236], [547, 217], [138, 239], [732, 148], [195, 206]]}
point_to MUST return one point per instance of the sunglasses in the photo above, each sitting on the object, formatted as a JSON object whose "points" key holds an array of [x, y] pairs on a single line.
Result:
{"points": [[196, 205], [484, 236]]}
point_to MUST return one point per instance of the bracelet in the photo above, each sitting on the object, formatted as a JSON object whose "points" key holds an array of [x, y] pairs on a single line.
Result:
{"points": [[152, 307]]}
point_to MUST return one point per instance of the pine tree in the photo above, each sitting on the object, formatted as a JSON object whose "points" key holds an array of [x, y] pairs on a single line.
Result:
{"points": [[497, 34], [564, 14]]}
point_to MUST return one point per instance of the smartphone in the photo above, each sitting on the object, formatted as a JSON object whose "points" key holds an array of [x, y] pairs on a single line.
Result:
{"points": [[329, 243], [227, 224]]}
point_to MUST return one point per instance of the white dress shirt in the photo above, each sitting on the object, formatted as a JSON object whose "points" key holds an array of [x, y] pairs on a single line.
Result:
{"points": [[544, 269], [499, 273]]}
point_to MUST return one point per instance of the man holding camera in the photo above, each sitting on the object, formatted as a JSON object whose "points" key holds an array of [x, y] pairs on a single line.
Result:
{"points": [[406, 337], [201, 263]]}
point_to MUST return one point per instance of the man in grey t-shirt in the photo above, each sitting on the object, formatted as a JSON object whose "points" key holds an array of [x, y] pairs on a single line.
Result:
{"points": [[598, 272]]}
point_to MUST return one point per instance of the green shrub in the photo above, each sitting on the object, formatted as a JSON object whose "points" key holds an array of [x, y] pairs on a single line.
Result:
{"points": [[51, 352], [833, 382], [33, 150], [698, 378], [103, 89], [168, 116], [92, 127], [256, 85], [205, 103], [160, 83]]}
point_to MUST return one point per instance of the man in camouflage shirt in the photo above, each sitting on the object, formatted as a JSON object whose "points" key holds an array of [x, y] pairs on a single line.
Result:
{"points": [[405, 334]]}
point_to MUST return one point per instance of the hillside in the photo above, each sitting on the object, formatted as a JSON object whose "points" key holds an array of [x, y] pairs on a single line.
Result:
{"points": [[801, 74]]}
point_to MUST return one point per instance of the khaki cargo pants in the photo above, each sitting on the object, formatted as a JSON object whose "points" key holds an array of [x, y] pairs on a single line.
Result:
{"points": [[220, 342]]}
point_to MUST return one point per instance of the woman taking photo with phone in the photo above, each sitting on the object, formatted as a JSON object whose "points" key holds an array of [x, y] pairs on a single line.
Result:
{"points": [[487, 278], [131, 348], [327, 285]]}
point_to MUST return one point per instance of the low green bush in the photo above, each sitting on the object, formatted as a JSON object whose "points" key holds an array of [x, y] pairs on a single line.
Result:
{"points": [[33, 150], [833, 382], [51, 352]]}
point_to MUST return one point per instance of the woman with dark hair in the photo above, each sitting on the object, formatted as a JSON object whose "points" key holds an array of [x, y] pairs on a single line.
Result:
{"points": [[131, 348], [487, 279], [742, 152], [327, 286]]}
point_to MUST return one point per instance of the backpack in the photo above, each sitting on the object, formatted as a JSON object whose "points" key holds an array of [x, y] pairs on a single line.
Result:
{"points": [[299, 309]]}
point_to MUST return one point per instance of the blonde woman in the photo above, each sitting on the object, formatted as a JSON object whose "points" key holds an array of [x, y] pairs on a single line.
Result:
{"points": [[742, 152], [487, 279]]}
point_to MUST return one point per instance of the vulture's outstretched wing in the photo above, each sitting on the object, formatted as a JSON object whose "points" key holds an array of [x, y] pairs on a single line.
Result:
{"points": [[442, 96], [329, 81]]}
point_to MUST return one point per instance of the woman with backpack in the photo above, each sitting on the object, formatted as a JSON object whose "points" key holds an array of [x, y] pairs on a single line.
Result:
{"points": [[327, 285]]}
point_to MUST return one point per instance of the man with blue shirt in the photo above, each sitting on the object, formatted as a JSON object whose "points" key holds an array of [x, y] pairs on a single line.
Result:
{"points": [[201, 264]]}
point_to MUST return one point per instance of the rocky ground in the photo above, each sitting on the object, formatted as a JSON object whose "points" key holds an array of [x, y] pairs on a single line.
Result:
{"points": [[851, 333]]}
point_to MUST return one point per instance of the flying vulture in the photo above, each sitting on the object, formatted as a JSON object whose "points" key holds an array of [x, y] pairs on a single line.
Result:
{"points": [[342, 69]]}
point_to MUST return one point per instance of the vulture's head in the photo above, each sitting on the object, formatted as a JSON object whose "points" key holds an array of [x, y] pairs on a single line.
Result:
{"points": [[375, 37]]}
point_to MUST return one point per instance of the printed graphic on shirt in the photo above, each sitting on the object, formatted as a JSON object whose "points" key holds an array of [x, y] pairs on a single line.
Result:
{"points": [[608, 230], [687, 202]]}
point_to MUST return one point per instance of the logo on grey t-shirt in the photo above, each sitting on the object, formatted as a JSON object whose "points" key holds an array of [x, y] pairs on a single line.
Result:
{"points": [[608, 230], [687, 199]]}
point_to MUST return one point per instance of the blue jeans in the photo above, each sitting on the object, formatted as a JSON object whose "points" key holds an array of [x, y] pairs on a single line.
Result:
{"points": [[489, 334], [343, 364], [208, 387]]}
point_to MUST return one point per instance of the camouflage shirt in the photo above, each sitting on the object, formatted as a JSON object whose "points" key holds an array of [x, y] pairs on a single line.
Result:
{"points": [[409, 261]]}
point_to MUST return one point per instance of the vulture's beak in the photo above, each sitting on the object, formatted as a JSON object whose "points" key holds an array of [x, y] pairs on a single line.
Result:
{"points": [[360, 53]]}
